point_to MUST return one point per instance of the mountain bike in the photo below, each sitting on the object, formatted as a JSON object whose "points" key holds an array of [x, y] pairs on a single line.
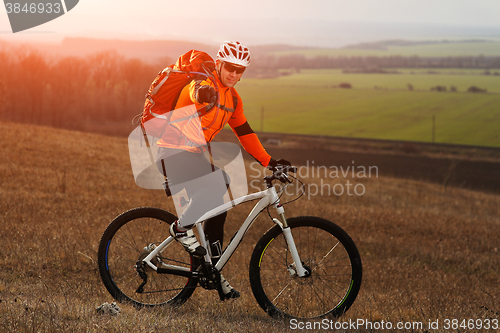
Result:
{"points": [[302, 267]]}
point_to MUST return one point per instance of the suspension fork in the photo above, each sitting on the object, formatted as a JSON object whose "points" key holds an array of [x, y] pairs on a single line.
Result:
{"points": [[287, 232]]}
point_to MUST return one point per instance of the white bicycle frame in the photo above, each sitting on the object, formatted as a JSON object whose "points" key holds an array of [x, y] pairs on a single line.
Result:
{"points": [[268, 196]]}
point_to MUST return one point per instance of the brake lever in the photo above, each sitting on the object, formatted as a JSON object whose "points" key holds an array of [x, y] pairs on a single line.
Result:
{"points": [[285, 179]]}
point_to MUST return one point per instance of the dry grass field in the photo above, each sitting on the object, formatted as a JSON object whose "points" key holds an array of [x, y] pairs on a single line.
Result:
{"points": [[429, 253]]}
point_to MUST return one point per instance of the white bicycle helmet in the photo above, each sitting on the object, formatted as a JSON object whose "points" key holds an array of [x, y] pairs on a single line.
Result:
{"points": [[234, 53]]}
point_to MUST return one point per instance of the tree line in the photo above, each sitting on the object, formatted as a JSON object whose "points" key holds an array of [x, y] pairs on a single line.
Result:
{"points": [[101, 93]]}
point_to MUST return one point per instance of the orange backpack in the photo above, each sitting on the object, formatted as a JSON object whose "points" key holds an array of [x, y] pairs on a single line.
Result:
{"points": [[164, 92]]}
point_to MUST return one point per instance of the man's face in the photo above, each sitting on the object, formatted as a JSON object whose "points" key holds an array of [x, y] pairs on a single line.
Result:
{"points": [[229, 74]]}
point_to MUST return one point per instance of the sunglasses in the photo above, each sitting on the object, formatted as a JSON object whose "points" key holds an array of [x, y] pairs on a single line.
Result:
{"points": [[231, 68]]}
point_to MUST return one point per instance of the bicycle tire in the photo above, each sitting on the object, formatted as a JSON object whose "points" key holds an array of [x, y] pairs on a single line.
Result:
{"points": [[329, 255], [125, 242]]}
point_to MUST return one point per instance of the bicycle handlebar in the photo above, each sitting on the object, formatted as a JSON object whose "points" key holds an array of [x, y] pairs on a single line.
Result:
{"points": [[280, 172]]}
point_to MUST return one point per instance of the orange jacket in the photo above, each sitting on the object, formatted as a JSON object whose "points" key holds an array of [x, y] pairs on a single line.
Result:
{"points": [[220, 115]]}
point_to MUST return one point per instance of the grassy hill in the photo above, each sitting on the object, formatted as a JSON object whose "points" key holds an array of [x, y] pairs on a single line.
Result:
{"points": [[429, 253]]}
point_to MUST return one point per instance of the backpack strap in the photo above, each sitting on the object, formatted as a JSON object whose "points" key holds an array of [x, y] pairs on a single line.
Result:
{"points": [[235, 102]]}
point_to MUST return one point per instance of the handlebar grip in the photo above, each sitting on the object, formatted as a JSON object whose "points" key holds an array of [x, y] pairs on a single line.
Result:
{"points": [[283, 168]]}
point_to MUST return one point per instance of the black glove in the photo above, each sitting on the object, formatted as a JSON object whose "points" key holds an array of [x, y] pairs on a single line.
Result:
{"points": [[206, 94], [274, 163]]}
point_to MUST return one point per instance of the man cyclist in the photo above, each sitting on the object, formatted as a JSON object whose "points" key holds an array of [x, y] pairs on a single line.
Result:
{"points": [[186, 162]]}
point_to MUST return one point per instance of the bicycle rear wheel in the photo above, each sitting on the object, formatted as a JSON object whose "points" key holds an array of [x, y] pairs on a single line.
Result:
{"points": [[129, 239], [330, 258]]}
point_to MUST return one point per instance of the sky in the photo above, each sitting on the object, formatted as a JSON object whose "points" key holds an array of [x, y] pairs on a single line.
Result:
{"points": [[319, 23]]}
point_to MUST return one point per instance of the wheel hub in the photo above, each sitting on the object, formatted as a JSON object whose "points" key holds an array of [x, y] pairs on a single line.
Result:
{"points": [[293, 270]]}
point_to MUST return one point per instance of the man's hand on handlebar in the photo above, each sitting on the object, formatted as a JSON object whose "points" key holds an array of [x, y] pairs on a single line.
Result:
{"points": [[280, 168], [273, 164]]}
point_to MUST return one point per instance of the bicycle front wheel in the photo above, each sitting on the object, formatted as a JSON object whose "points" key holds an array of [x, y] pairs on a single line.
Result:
{"points": [[330, 258], [128, 240]]}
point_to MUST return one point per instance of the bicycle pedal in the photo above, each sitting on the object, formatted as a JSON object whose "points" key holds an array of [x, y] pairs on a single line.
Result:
{"points": [[233, 294]]}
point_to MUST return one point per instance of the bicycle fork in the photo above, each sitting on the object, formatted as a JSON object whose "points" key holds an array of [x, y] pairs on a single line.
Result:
{"points": [[287, 232]]}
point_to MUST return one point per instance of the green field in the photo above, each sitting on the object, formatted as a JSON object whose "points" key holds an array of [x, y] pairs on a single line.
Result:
{"points": [[421, 79], [311, 103]]}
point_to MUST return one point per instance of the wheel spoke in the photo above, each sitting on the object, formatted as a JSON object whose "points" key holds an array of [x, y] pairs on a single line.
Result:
{"points": [[326, 255], [282, 290]]}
